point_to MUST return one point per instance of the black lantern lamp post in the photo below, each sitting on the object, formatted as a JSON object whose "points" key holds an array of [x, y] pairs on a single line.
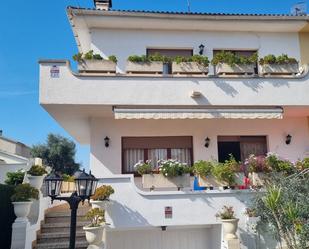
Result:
{"points": [[85, 187]]}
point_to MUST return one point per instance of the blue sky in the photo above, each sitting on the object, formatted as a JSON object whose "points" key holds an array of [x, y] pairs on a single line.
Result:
{"points": [[30, 30]]}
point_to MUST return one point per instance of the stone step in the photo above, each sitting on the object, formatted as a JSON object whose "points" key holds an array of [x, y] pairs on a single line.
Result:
{"points": [[63, 219], [61, 245], [61, 227], [59, 237]]}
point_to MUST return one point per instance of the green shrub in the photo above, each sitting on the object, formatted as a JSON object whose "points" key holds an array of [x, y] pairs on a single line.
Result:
{"points": [[143, 168], [232, 59], [79, 57], [202, 60], [37, 170], [112, 58], [279, 165], [96, 216], [7, 215], [150, 58], [203, 168], [24, 192], [222, 172], [103, 193], [281, 59], [15, 178]]}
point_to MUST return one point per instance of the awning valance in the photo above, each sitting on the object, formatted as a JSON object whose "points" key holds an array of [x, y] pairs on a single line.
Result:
{"points": [[211, 113]]}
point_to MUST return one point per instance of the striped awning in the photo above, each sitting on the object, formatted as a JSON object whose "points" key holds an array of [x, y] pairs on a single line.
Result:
{"points": [[211, 113]]}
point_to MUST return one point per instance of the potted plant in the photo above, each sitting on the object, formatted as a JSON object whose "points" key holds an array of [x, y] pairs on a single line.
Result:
{"points": [[100, 199], [90, 62], [224, 175], [282, 64], [196, 64], [36, 176], [280, 166], [94, 231], [238, 171], [204, 171], [258, 170], [227, 62], [152, 64], [229, 222], [21, 200], [171, 174], [68, 184]]}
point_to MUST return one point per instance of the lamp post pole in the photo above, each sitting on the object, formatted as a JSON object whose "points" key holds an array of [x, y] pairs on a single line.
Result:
{"points": [[73, 202]]}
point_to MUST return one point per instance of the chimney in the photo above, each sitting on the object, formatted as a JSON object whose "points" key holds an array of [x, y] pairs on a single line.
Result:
{"points": [[103, 4]]}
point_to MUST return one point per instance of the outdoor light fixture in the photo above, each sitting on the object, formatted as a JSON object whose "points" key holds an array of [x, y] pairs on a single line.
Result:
{"points": [[106, 140], [207, 142], [86, 185], [288, 139], [163, 228], [201, 47]]}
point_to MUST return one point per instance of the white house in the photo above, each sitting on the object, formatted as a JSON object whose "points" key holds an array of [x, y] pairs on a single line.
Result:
{"points": [[131, 114], [14, 156]]}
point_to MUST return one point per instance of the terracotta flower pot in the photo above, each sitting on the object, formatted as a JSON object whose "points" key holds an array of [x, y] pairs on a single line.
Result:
{"points": [[94, 235], [230, 228], [22, 209]]}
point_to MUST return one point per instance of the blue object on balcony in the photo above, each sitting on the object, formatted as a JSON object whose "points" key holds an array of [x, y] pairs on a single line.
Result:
{"points": [[196, 186]]}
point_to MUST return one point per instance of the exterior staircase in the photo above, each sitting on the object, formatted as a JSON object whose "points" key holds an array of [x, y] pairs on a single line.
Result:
{"points": [[55, 229]]}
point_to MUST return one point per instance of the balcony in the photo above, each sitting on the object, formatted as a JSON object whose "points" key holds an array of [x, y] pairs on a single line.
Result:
{"points": [[67, 87]]}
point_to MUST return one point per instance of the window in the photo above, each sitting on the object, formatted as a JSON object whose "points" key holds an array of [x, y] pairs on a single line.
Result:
{"points": [[135, 149], [246, 53], [170, 53], [241, 147]]}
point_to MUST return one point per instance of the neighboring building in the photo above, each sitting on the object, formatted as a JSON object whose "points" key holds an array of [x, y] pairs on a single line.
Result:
{"points": [[158, 116], [14, 155]]}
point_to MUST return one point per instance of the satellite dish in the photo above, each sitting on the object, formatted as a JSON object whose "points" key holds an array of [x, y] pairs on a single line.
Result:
{"points": [[299, 9]]}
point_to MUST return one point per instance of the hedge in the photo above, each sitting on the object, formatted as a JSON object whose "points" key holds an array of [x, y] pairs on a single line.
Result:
{"points": [[7, 215]]}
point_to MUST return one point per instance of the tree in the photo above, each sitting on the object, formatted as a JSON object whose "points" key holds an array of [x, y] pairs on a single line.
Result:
{"points": [[284, 205], [58, 152]]}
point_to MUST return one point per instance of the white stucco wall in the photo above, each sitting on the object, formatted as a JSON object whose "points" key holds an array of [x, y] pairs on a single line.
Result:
{"points": [[124, 43], [106, 161]]}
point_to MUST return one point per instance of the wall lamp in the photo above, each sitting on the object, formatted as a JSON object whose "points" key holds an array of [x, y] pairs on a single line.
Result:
{"points": [[106, 140], [201, 47], [163, 228], [288, 139], [207, 142]]}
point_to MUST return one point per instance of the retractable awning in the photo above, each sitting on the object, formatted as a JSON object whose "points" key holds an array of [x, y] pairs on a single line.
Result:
{"points": [[211, 113]]}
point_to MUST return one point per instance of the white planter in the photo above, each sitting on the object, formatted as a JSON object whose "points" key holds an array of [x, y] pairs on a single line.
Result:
{"points": [[22, 210], [230, 228], [100, 204], [154, 67], [211, 181], [94, 236], [97, 66], [160, 181], [251, 224], [188, 68], [257, 179], [36, 181], [223, 69], [283, 69]]}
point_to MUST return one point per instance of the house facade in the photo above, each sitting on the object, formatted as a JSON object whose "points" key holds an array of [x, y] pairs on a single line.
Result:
{"points": [[131, 115]]}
